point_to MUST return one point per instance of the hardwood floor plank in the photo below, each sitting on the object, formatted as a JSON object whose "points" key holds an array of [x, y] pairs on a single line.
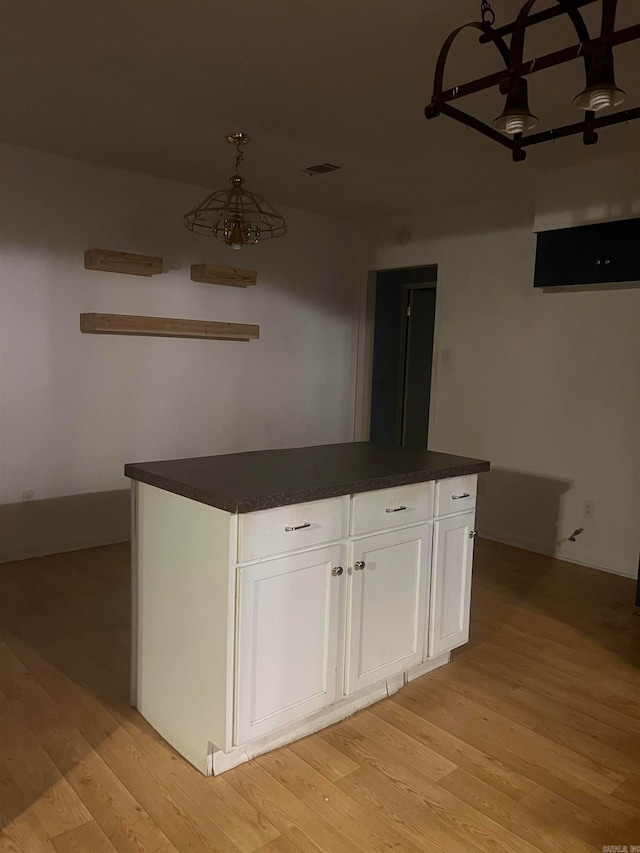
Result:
{"points": [[178, 817], [629, 791], [358, 824], [584, 737], [300, 824], [101, 792], [409, 820], [83, 709], [20, 829], [529, 740], [569, 693], [279, 845], [513, 816], [121, 817], [548, 709], [457, 750], [555, 656], [570, 821], [242, 824], [429, 815], [373, 753], [323, 757], [566, 654], [394, 741], [88, 838], [536, 759], [14, 677], [477, 688], [56, 805]]}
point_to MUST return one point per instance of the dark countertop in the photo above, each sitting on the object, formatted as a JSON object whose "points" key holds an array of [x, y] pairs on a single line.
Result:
{"points": [[246, 482]]}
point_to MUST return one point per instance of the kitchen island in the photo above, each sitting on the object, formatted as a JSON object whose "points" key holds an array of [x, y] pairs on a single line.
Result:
{"points": [[276, 592]]}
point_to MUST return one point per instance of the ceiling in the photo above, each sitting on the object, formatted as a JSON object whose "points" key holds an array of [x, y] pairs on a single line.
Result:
{"points": [[153, 86]]}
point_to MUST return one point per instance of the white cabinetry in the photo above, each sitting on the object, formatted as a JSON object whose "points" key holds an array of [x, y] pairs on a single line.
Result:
{"points": [[451, 583], [253, 630], [388, 589], [288, 628]]}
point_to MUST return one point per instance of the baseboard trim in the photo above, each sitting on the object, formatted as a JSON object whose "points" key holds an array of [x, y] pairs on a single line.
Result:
{"points": [[69, 523], [537, 548], [219, 762]]}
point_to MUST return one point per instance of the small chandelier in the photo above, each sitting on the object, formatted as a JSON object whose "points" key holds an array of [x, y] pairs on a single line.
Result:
{"points": [[236, 216], [509, 128]]}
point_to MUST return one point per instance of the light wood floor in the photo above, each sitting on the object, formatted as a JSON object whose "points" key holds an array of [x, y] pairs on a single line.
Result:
{"points": [[528, 741]]}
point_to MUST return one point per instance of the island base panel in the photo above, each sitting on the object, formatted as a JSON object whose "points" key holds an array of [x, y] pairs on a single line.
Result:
{"points": [[219, 762]]}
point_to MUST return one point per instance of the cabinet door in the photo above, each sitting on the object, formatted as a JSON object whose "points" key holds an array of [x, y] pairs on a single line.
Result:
{"points": [[451, 583], [387, 608], [288, 623], [621, 262], [569, 256]]}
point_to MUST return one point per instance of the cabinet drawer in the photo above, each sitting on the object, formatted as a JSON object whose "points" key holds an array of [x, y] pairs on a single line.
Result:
{"points": [[458, 494], [289, 528], [381, 510]]}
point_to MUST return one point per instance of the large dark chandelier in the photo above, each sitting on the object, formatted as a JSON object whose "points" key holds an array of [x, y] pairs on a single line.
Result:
{"points": [[236, 216], [509, 128]]}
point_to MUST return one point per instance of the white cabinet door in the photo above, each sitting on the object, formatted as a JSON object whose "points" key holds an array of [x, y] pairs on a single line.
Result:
{"points": [[388, 589], [288, 632], [451, 583]]}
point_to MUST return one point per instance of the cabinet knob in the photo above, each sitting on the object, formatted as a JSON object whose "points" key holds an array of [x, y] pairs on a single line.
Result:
{"points": [[473, 534], [607, 261], [337, 571], [598, 263], [359, 566]]}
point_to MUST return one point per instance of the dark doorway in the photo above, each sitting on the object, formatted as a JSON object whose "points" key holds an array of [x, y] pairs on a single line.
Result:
{"points": [[402, 356]]}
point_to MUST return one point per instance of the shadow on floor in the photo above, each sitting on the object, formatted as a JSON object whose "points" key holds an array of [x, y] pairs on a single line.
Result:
{"points": [[64, 676]]}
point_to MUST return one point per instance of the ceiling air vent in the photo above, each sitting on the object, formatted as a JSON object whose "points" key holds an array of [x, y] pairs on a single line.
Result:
{"points": [[320, 169]]}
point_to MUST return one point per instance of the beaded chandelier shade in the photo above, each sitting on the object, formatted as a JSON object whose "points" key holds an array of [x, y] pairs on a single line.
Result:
{"points": [[236, 216]]}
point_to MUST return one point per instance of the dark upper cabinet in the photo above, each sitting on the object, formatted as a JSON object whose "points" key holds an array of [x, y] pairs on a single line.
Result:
{"points": [[591, 254]]}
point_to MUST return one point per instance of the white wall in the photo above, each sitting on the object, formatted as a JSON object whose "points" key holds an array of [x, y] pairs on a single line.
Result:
{"points": [[74, 408], [544, 385], [608, 190]]}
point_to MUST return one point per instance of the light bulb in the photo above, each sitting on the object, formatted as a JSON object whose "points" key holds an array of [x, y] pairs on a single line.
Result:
{"points": [[515, 124], [600, 99], [234, 233]]}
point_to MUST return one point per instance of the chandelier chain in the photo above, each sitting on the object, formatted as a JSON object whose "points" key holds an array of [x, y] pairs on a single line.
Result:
{"points": [[239, 155], [488, 15]]}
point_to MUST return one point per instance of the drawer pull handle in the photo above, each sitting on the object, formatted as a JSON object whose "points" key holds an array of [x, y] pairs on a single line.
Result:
{"points": [[299, 527], [459, 497], [337, 571], [395, 509], [359, 566]]}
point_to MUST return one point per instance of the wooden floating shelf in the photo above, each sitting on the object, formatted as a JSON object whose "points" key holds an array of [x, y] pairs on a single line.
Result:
{"points": [[210, 274], [124, 262], [166, 327]]}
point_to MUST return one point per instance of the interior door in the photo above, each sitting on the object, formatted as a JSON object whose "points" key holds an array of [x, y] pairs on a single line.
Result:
{"points": [[402, 356], [421, 315]]}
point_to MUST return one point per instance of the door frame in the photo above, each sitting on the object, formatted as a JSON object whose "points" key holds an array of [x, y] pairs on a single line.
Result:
{"points": [[364, 354]]}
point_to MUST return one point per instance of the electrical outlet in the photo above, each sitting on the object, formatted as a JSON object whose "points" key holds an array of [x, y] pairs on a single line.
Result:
{"points": [[589, 509], [28, 495]]}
